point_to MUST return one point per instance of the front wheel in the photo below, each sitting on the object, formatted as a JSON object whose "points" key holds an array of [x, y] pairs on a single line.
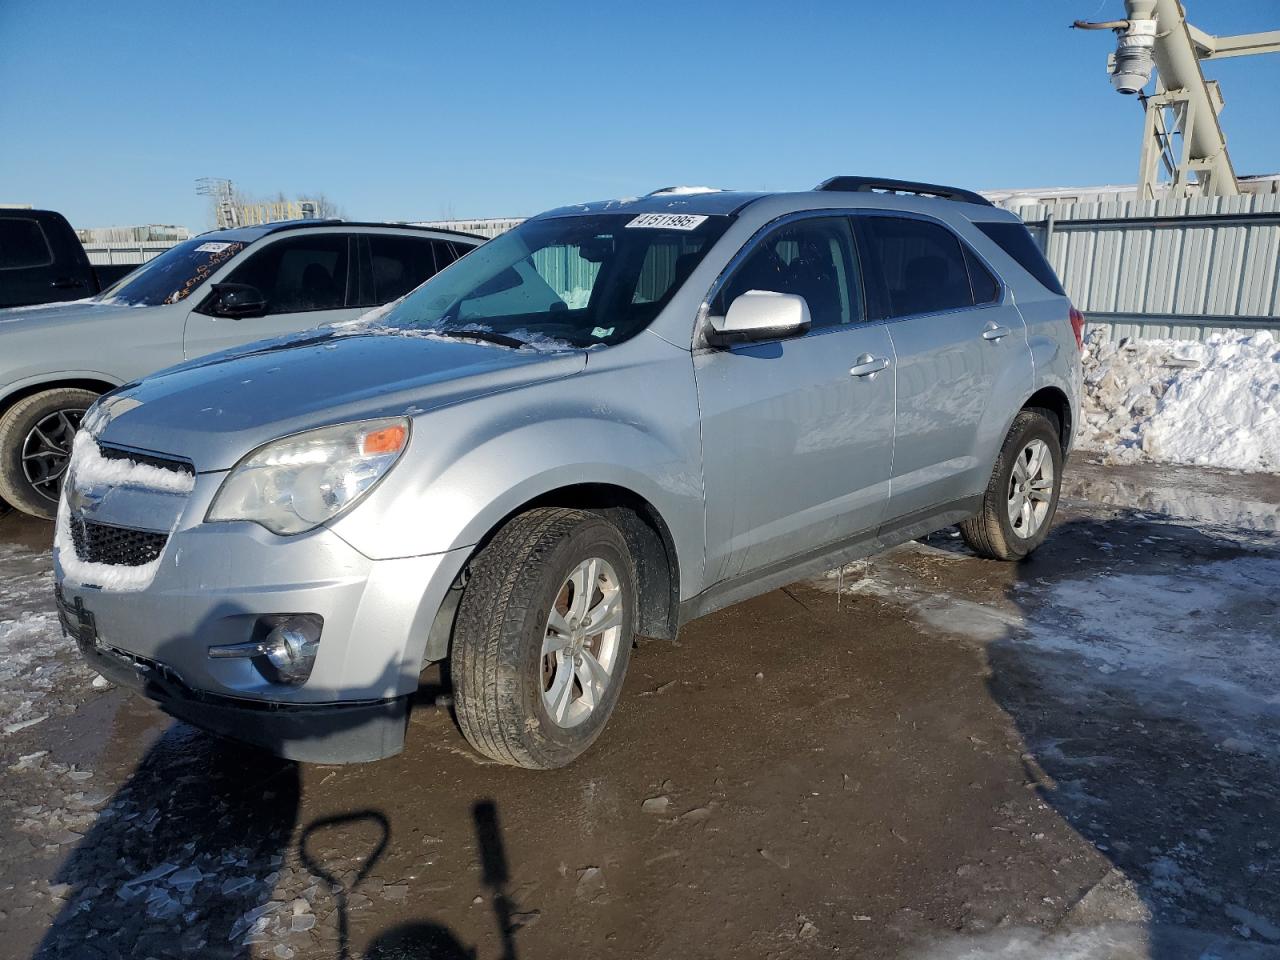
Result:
{"points": [[35, 447], [1022, 496], [543, 637]]}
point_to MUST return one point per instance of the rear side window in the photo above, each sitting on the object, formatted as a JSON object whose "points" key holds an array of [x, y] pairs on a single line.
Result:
{"points": [[985, 287], [922, 265], [1016, 240], [23, 244], [400, 264]]}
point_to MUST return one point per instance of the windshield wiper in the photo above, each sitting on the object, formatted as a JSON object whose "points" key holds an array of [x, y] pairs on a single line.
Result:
{"points": [[489, 336]]}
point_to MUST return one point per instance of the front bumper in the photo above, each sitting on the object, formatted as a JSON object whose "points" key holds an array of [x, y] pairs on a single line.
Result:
{"points": [[353, 732], [212, 584]]}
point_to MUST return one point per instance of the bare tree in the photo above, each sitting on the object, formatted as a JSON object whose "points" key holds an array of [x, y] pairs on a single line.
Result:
{"points": [[326, 209]]}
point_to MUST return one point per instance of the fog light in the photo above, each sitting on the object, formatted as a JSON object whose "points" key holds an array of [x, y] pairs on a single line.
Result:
{"points": [[291, 648], [287, 651]]}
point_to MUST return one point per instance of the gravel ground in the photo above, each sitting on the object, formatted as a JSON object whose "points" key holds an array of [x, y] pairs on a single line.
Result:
{"points": [[924, 755]]}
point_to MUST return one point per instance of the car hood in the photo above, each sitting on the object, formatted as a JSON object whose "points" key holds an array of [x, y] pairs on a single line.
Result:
{"points": [[215, 410], [44, 316]]}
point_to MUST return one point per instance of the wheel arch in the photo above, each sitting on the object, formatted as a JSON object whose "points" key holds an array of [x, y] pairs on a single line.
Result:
{"points": [[648, 538], [1055, 401], [20, 392]]}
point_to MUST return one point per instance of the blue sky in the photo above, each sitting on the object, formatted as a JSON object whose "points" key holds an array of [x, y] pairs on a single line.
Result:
{"points": [[417, 110]]}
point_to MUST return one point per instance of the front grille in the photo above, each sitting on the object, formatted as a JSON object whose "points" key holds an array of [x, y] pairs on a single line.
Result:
{"points": [[150, 459], [120, 546]]}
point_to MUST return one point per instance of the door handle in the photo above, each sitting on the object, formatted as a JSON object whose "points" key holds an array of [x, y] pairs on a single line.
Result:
{"points": [[993, 331], [66, 283], [868, 366]]}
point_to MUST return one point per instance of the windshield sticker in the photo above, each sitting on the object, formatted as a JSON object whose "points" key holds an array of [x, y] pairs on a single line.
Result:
{"points": [[601, 332], [667, 221], [223, 253]]}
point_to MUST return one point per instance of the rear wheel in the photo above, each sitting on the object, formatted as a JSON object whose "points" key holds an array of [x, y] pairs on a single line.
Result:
{"points": [[35, 447], [1022, 496], [543, 637]]}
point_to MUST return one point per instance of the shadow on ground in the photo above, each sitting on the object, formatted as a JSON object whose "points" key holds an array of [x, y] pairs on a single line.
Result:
{"points": [[1143, 684]]}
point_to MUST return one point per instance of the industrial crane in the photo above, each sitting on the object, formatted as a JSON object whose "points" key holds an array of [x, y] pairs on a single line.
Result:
{"points": [[1156, 35]]}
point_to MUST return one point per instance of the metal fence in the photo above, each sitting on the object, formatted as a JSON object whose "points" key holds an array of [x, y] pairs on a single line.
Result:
{"points": [[1170, 268], [483, 228], [126, 252]]}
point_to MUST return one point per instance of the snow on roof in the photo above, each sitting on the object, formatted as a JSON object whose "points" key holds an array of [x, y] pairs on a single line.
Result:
{"points": [[684, 191]]}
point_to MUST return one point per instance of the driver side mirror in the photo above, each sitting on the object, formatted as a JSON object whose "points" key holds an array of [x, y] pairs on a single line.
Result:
{"points": [[237, 300], [760, 315]]}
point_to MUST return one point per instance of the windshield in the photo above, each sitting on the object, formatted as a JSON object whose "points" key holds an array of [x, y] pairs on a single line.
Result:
{"points": [[592, 279], [172, 276]]}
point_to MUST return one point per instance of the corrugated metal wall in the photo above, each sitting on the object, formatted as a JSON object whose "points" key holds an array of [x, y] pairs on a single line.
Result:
{"points": [[126, 252], [482, 228], [1170, 268]]}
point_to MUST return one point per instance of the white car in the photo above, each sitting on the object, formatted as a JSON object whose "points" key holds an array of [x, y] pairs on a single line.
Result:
{"points": [[206, 294]]}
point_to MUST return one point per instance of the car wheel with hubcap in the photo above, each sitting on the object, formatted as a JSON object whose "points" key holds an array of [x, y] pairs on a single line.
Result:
{"points": [[36, 434], [543, 637], [1022, 495]]}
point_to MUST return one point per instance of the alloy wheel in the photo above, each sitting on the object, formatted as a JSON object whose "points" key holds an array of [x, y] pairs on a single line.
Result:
{"points": [[581, 642], [46, 451], [1030, 489]]}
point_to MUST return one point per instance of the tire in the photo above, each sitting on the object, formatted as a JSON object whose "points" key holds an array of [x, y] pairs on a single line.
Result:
{"points": [[63, 407], [504, 676], [994, 532]]}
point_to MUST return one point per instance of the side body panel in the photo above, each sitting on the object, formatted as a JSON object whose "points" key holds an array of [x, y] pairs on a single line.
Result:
{"points": [[797, 451], [1050, 340], [959, 371], [112, 344]]}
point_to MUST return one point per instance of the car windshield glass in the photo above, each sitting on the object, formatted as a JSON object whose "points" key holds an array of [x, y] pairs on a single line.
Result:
{"points": [[172, 276], [582, 280]]}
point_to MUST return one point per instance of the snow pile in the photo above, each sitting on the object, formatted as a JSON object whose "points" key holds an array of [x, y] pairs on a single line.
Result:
{"points": [[532, 340], [1213, 404]]}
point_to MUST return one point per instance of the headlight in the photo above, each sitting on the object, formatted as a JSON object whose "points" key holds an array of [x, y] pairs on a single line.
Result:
{"points": [[297, 483]]}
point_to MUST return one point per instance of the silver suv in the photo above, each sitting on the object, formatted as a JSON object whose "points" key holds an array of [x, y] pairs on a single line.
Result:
{"points": [[218, 290], [615, 418]]}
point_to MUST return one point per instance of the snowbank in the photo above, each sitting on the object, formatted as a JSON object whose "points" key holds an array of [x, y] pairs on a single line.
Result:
{"points": [[1213, 404]]}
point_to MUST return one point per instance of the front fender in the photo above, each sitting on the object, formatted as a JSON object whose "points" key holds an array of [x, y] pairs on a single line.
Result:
{"points": [[470, 467]]}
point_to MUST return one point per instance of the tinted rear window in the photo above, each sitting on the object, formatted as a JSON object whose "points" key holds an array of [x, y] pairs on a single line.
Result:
{"points": [[400, 263], [922, 265], [985, 287], [1017, 242], [23, 244]]}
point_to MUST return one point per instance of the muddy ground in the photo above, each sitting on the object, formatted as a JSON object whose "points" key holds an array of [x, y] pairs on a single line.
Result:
{"points": [[924, 755]]}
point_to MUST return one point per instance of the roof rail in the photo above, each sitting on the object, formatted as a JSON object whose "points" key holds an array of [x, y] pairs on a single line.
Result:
{"points": [[883, 185]]}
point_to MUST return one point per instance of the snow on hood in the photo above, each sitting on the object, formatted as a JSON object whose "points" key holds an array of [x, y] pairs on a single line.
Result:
{"points": [[215, 410]]}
